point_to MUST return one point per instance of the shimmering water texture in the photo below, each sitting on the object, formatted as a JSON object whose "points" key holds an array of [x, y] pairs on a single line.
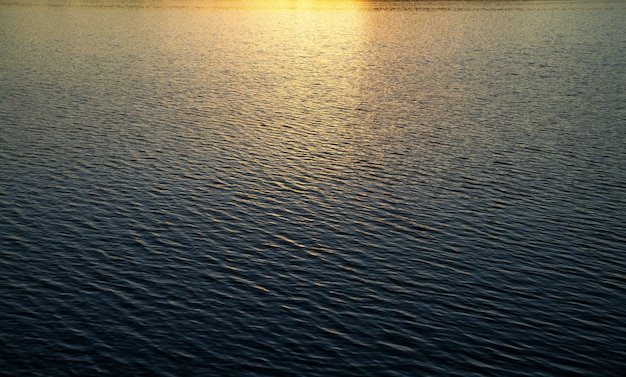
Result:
{"points": [[312, 188]]}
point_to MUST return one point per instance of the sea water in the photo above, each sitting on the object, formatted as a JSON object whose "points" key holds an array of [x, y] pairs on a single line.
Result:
{"points": [[312, 188]]}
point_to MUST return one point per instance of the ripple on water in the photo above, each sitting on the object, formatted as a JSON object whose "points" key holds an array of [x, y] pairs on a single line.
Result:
{"points": [[234, 190]]}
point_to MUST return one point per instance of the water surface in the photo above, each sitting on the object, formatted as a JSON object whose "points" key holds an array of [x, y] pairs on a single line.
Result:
{"points": [[312, 188]]}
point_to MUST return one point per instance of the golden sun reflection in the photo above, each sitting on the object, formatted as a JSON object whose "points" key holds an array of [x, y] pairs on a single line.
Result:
{"points": [[304, 4], [300, 52], [291, 70]]}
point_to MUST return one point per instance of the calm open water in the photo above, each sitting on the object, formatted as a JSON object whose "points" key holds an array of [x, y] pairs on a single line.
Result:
{"points": [[312, 188]]}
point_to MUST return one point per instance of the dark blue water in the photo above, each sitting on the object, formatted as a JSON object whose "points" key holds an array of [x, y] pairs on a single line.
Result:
{"points": [[312, 188]]}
